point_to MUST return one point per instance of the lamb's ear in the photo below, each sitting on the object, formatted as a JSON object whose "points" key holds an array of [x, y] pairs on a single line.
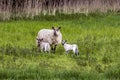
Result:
{"points": [[53, 28], [37, 38], [65, 40], [59, 28]]}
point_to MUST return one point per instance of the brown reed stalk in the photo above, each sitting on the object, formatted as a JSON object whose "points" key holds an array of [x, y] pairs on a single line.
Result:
{"points": [[31, 8]]}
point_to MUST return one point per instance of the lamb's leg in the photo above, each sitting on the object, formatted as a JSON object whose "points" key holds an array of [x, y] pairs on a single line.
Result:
{"points": [[45, 49], [38, 48], [48, 51], [41, 50], [76, 52], [66, 51]]}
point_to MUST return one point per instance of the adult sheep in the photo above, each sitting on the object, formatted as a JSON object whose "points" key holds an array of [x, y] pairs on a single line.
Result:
{"points": [[52, 36]]}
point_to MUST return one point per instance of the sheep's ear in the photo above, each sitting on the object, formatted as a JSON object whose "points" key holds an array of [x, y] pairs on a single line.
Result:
{"points": [[53, 27], [41, 39]]}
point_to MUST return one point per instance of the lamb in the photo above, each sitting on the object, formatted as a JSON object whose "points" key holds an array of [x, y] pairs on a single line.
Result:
{"points": [[52, 36], [44, 46], [69, 47]]}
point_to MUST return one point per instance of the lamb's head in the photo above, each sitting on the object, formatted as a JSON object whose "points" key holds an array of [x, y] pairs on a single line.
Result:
{"points": [[39, 41], [56, 31], [64, 41]]}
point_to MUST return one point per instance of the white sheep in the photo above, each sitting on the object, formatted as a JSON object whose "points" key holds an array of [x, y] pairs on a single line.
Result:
{"points": [[70, 47], [52, 36], [44, 46]]}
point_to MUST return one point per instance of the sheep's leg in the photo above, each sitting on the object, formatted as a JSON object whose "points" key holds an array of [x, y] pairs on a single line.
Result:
{"points": [[54, 48], [51, 47]]}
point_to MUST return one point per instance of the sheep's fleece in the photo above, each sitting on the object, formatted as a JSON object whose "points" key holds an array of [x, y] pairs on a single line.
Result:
{"points": [[48, 36]]}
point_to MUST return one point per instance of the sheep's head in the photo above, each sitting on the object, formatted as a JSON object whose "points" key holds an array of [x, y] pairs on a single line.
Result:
{"points": [[56, 31], [64, 41], [39, 41]]}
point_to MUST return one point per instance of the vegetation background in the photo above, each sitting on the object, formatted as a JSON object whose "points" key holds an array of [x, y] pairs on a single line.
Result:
{"points": [[94, 25], [30, 8]]}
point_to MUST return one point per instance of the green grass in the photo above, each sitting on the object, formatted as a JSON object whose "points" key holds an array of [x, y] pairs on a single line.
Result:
{"points": [[97, 35]]}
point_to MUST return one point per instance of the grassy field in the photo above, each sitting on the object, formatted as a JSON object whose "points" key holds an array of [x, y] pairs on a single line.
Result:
{"points": [[97, 35]]}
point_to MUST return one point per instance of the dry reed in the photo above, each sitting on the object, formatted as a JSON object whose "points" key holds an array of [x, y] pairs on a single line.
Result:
{"points": [[31, 8]]}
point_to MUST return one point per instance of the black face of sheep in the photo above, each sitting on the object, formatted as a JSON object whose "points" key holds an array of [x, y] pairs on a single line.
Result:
{"points": [[56, 30]]}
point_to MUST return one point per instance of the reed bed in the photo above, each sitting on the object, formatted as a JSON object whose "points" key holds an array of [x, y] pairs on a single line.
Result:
{"points": [[29, 8]]}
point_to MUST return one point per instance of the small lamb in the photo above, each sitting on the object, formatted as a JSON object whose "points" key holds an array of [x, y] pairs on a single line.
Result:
{"points": [[44, 46], [69, 47]]}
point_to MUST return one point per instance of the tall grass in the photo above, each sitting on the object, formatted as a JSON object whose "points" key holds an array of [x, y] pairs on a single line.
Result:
{"points": [[97, 36], [48, 75], [30, 8]]}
